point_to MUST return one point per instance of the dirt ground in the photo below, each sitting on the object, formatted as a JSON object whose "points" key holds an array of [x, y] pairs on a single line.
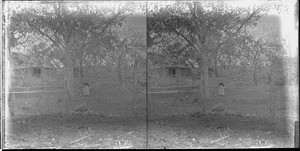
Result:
{"points": [[245, 124], [185, 131]]}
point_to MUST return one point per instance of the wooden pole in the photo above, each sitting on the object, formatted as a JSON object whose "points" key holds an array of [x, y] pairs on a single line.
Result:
{"points": [[135, 85]]}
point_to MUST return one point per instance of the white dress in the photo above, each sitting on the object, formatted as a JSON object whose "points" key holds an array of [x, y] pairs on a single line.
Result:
{"points": [[221, 91], [86, 91]]}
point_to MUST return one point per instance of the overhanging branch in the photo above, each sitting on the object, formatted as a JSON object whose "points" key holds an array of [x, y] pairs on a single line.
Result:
{"points": [[238, 30], [44, 34], [193, 44]]}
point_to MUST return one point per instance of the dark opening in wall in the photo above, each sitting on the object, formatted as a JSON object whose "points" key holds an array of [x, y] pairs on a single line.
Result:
{"points": [[210, 72], [77, 72], [37, 71], [172, 71]]}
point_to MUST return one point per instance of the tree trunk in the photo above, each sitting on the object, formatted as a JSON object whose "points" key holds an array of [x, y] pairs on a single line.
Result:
{"points": [[205, 86], [255, 80], [214, 66], [269, 78], [216, 71], [135, 86], [272, 93], [120, 74], [213, 75], [82, 75], [81, 80], [124, 73], [70, 77]]}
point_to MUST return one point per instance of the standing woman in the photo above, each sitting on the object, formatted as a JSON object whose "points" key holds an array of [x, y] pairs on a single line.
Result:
{"points": [[221, 92], [86, 90], [221, 89]]}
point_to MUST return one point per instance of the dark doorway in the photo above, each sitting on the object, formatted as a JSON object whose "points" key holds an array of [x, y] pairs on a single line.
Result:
{"points": [[36, 71], [172, 71]]}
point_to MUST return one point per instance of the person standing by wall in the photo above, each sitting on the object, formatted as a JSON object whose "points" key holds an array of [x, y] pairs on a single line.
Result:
{"points": [[86, 90], [221, 89]]}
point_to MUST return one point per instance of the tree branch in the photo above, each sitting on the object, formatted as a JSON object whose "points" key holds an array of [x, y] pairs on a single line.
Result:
{"points": [[72, 28], [58, 10], [195, 19], [193, 44], [44, 34], [103, 29], [207, 28], [237, 31], [57, 38]]}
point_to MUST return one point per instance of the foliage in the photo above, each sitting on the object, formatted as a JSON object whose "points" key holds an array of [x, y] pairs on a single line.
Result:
{"points": [[206, 26], [258, 48], [73, 28], [31, 50], [171, 53]]}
